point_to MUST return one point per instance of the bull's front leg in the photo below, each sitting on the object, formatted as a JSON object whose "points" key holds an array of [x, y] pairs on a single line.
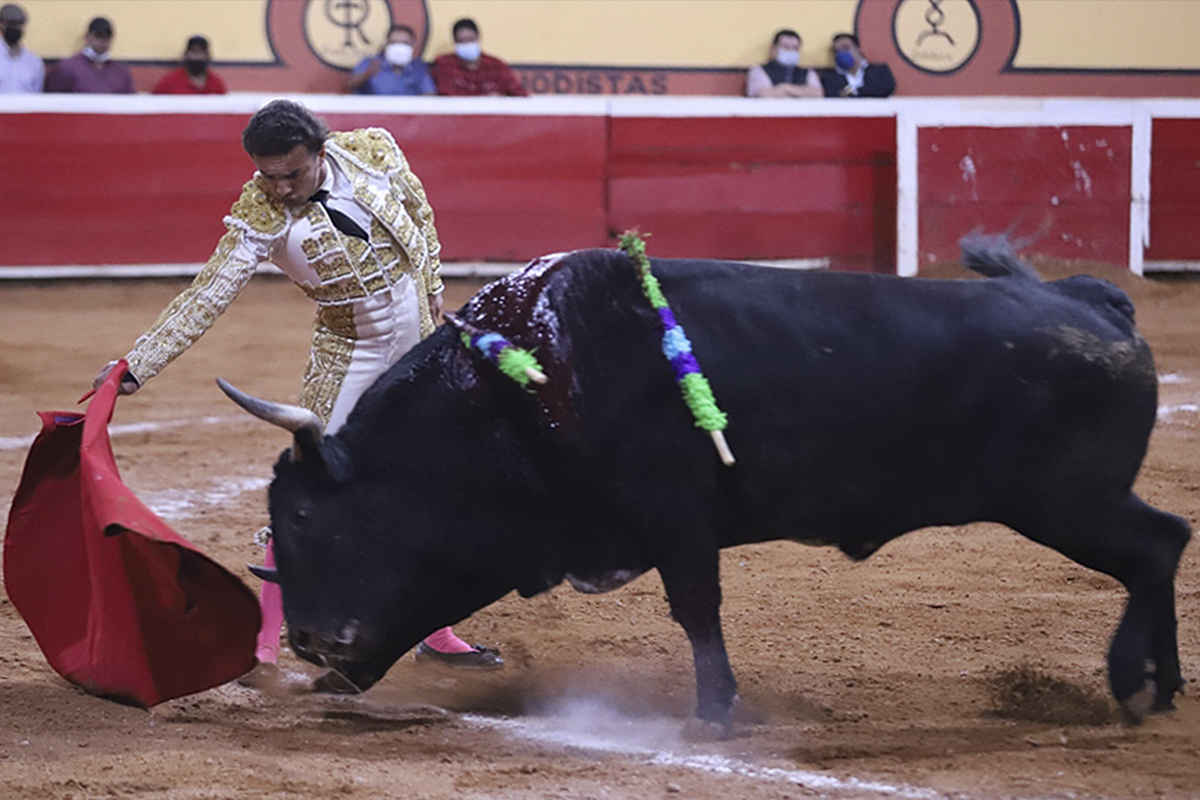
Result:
{"points": [[694, 593]]}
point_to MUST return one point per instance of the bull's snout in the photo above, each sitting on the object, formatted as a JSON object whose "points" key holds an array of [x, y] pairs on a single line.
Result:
{"points": [[323, 648]]}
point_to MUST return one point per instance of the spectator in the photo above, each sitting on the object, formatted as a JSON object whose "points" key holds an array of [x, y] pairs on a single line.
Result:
{"points": [[393, 70], [194, 76], [20, 69], [852, 75], [468, 71], [93, 68], [783, 76]]}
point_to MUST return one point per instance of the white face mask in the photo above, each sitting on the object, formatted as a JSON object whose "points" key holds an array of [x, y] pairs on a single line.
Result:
{"points": [[398, 54], [468, 51], [789, 58], [92, 55]]}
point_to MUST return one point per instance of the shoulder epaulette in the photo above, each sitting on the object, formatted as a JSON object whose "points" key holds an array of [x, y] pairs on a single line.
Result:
{"points": [[258, 210], [372, 149]]}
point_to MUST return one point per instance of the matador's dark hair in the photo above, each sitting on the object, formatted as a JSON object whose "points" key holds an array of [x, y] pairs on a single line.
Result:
{"points": [[279, 126]]}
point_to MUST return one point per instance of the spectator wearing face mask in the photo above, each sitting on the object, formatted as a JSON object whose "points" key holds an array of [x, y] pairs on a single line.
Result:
{"points": [[93, 69], [783, 76], [395, 70], [852, 75], [193, 76], [20, 69], [469, 71]]}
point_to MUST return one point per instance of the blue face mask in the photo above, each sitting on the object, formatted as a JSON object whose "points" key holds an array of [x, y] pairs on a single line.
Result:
{"points": [[845, 59]]}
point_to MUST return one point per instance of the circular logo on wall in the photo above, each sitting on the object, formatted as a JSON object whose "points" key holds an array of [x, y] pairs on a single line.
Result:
{"points": [[936, 35], [343, 32]]}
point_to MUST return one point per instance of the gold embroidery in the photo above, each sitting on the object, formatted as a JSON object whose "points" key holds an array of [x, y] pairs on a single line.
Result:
{"points": [[259, 209], [374, 148], [328, 364], [339, 319], [195, 309], [403, 241]]}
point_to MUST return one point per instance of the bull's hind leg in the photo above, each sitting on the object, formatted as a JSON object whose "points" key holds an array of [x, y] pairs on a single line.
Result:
{"points": [[694, 593], [1153, 544], [1140, 546]]}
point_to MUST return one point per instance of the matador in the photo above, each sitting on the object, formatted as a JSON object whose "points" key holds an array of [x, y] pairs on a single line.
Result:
{"points": [[345, 218]]}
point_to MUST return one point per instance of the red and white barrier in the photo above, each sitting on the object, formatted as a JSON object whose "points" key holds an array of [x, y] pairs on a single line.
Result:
{"points": [[102, 182]]}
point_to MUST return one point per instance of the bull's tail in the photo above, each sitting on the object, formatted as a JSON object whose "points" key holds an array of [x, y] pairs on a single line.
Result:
{"points": [[993, 257]]}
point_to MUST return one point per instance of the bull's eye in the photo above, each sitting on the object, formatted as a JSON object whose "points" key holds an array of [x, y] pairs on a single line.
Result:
{"points": [[301, 517]]}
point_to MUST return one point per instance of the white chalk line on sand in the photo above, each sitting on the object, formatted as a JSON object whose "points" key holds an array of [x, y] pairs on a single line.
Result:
{"points": [[1169, 412], [23, 442], [589, 726], [175, 503], [178, 504]]}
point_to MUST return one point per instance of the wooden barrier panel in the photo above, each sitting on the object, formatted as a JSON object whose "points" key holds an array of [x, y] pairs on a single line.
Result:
{"points": [[1175, 191], [509, 188], [118, 188], [1066, 189], [765, 188], [884, 185]]}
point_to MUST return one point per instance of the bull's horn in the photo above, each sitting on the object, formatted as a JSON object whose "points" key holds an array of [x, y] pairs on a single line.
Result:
{"points": [[268, 574], [292, 418]]}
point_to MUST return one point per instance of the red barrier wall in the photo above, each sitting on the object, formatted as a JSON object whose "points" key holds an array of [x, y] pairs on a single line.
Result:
{"points": [[117, 189], [128, 189], [131, 188], [776, 187], [1175, 182], [1067, 188], [535, 184], [866, 184]]}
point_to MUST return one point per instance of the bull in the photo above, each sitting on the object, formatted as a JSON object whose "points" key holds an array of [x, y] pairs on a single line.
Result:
{"points": [[860, 407]]}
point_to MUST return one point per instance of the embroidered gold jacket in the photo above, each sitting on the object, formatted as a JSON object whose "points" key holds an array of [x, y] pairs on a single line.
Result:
{"points": [[403, 240]]}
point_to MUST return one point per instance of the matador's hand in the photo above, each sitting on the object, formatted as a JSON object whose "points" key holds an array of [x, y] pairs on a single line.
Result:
{"points": [[435, 309], [129, 384]]}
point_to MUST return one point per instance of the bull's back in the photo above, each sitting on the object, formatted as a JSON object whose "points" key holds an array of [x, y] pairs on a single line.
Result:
{"points": [[863, 406]]}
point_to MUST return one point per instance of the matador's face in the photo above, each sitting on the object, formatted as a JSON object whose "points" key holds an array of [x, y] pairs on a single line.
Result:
{"points": [[293, 178]]}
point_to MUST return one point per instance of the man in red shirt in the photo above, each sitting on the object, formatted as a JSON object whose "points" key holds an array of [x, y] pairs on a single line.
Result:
{"points": [[194, 77], [467, 71]]}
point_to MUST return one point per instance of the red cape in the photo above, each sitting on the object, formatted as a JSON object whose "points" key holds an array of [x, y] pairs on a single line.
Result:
{"points": [[119, 603]]}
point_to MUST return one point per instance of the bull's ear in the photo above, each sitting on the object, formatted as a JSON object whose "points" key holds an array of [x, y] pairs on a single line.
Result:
{"points": [[306, 447], [319, 453]]}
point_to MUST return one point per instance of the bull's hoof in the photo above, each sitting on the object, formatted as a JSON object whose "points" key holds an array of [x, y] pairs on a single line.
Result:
{"points": [[1138, 705], [478, 658], [334, 682], [707, 730]]}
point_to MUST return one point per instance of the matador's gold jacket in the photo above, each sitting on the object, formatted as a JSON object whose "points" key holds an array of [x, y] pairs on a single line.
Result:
{"points": [[403, 241]]}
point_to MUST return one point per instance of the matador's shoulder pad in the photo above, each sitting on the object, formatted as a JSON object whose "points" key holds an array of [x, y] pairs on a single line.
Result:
{"points": [[259, 209], [373, 148]]}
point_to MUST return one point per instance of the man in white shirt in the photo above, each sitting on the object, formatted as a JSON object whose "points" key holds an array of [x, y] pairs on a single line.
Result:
{"points": [[20, 69], [782, 75]]}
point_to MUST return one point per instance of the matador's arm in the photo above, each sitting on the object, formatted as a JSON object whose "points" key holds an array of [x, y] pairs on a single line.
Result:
{"points": [[252, 225]]}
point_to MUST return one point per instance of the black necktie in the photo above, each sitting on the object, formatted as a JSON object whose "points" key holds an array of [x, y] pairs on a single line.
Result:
{"points": [[340, 221]]}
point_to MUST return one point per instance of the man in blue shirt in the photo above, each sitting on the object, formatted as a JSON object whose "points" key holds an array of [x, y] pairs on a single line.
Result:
{"points": [[394, 70]]}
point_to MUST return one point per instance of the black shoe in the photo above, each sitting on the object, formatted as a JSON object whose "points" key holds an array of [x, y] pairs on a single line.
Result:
{"points": [[264, 675], [479, 657]]}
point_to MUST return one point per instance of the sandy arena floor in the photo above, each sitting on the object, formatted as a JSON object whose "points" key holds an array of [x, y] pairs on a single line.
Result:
{"points": [[957, 663]]}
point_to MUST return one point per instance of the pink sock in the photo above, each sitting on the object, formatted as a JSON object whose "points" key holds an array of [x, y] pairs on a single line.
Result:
{"points": [[444, 641], [270, 602]]}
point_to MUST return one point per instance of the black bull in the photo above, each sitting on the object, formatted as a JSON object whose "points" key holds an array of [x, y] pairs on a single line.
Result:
{"points": [[860, 407]]}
